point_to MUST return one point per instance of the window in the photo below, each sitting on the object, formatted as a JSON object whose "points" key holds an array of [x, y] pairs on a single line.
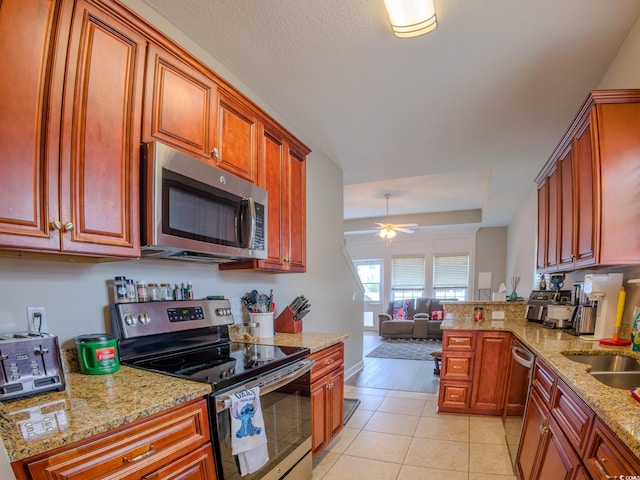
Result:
{"points": [[407, 278], [451, 276], [370, 274]]}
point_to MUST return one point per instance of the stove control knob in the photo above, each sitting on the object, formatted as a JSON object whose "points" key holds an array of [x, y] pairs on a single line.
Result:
{"points": [[129, 319], [144, 318]]}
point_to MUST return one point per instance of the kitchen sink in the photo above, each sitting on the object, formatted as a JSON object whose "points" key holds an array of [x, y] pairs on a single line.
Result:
{"points": [[624, 380], [607, 363], [617, 371]]}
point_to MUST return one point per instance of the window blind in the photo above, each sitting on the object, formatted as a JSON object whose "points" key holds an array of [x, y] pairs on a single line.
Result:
{"points": [[407, 273], [450, 271]]}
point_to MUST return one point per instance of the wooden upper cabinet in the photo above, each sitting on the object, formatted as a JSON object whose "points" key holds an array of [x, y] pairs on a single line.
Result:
{"points": [[100, 148], [76, 173], [180, 105], [596, 206], [236, 146], [31, 81], [282, 172], [541, 256], [553, 219]]}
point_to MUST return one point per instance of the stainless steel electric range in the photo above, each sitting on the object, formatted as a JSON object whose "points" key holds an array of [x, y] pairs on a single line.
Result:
{"points": [[190, 339]]}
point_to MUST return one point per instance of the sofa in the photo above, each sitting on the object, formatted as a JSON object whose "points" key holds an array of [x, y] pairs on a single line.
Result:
{"points": [[412, 318]]}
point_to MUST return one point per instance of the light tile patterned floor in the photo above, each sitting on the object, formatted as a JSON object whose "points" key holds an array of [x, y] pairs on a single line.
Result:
{"points": [[397, 435]]}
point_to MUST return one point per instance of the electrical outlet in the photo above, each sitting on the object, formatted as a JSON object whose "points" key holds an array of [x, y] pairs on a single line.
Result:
{"points": [[36, 319]]}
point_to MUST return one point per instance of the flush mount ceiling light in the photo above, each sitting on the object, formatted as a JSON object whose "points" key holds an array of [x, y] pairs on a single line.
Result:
{"points": [[411, 18]]}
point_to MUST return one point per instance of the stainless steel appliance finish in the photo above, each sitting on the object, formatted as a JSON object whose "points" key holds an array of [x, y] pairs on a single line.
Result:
{"points": [[30, 363], [195, 345], [583, 321], [194, 211], [540, 299], [520, 376]]}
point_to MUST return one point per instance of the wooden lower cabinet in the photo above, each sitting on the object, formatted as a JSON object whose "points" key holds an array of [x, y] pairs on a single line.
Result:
{"points": [[472, 379], [562, 438], [174, 444], [327, 396]]}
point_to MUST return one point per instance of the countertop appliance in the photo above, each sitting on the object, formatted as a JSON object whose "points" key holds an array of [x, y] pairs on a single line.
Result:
{"points": [[30, 363], [190, 339], [584, 315], [194, 211], [540, 299]]}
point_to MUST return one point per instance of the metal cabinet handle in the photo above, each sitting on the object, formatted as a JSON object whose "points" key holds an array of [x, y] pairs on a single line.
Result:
{"points": [[329, 361], [56, 225], [603, 472], [543, 429], [152, 450], [68, 226], [216, 153]]}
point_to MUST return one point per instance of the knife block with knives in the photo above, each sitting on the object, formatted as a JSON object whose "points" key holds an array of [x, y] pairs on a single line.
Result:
{"points": [[290, 319]]}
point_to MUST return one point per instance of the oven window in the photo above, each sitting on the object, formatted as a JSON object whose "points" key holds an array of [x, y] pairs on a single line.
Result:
{"points": [[287, 421], [194, 212]]}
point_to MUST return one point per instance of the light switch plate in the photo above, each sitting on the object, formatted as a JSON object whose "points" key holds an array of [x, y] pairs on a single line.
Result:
{"points": [[497, 315]]}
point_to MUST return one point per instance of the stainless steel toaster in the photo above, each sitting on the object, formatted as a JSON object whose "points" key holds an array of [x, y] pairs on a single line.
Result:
{"points": [[30, 363]]}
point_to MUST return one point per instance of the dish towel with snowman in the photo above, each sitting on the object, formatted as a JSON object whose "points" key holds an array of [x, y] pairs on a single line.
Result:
{"points": [[248, 438]]}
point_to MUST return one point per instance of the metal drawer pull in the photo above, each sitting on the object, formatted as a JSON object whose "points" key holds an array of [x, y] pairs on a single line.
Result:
{"points": [[152, 450], [329, 361], [603, 472], [543, 429]]}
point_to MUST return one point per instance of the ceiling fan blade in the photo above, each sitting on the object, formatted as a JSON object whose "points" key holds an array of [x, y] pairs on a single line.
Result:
{"points": [[403, 230], [406, 225]]}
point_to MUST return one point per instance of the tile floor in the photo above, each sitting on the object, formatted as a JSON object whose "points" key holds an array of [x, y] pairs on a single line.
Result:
{"points": [[398, 435]]}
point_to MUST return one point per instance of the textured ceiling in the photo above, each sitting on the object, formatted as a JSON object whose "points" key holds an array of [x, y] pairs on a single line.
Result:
{"points": [[460, 119]]}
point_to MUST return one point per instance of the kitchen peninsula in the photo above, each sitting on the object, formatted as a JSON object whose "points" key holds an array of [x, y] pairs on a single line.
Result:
{"points": [[614, 408]]}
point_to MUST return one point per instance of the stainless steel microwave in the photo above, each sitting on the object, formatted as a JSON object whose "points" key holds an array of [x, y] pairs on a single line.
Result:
{"points": [[194, 211]]}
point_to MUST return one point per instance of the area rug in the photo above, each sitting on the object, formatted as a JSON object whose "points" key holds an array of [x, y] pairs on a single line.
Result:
{"points": [[406, 349], [350, 406]]}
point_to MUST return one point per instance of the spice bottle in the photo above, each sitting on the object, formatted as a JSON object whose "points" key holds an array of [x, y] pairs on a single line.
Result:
{"points": [[478, 314], [120, 289], [154, 292], [131, 290], [143, 291]]}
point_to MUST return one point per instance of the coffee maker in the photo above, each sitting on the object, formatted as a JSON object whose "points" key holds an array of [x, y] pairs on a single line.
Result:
{"points": [[603, 289], [584, 315]]}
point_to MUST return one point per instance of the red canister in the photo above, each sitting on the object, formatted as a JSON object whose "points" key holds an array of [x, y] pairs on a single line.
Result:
{"points": [[478, 314]]}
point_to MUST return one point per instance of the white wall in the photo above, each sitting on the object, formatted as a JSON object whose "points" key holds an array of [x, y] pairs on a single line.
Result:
{"points": [[521, 244]]}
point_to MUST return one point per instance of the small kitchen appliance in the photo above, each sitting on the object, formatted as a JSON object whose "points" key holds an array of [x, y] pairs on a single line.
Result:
{"points": [[30, 363], [190, 339], [539, 300], [558, 316], [583, 321], [603, 289]]}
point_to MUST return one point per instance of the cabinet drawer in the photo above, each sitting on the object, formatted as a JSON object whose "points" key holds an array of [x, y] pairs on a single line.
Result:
{"points": [[129, 452], [464, 341], [326, 360], [544, 380], [457, 366], [454, 395], [573, 416], [607, 457]]}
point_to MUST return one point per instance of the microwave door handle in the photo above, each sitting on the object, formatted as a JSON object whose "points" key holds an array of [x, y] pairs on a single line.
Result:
{"points": [[246, 204]]}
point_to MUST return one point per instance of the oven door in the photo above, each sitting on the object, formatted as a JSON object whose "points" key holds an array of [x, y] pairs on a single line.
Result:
{"points": [[286, 408]]}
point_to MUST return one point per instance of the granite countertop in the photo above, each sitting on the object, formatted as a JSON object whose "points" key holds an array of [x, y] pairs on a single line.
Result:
{"points": [[614, 406], [93, 404]]}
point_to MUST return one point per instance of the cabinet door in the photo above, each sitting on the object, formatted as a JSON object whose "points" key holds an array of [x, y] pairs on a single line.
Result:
{"points": [[566, 210], [457, 366], [541, 257], [180, 104], [584, 188], [607, 457], [295, 212], [100, 140], [31, 79], [493, 352], [454, 396], [336, 403], [573, 416], [553, 216], [236, 146], [319, 420], [533, 435], [557, 458]]}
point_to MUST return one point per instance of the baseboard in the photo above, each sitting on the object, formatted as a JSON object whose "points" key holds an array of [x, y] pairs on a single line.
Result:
{"points": [[353, 370]]}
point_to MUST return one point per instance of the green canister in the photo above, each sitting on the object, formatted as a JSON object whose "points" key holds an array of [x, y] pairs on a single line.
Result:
{"points": [[97, 353]]}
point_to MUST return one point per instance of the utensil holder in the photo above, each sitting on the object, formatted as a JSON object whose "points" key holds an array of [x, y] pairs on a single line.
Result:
{"points": [[285, 322], [265, 321]]}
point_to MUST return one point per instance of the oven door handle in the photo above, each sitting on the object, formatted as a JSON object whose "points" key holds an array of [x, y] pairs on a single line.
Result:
{"points": [[269, 385]]}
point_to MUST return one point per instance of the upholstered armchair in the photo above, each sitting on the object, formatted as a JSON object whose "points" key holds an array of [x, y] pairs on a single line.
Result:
{"points": [[397, 322]]}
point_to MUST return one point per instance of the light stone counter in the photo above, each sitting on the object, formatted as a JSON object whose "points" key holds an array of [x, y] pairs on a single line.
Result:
{"points": [[614, 406], [89, 405], [92, 404]]}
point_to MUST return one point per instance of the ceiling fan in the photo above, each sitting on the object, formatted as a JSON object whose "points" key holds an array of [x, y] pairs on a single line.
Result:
{"points": [[389, 230]]}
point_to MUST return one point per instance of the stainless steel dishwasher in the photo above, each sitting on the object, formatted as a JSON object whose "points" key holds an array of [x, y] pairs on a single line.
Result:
{"points": [[518, 393]]}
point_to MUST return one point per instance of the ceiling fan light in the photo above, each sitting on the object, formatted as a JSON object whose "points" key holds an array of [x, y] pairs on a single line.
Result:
{"points": [[384, 232], [391, 233], [411, 18]]}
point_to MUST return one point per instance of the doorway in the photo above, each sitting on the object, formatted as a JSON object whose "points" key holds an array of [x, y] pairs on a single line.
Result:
{"points": [[370, 274]]}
